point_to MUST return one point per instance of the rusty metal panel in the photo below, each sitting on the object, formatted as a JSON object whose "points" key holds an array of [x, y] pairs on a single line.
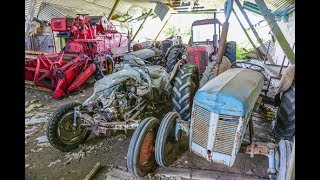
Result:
{"points": [[226, 134], [201, 126]]}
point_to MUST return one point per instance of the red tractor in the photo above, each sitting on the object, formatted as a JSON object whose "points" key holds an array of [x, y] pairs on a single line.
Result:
{"points": [[88, 51], [203, 47]]}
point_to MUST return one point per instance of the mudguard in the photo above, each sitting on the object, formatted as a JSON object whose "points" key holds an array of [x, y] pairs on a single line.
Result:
{"points": [[285, 83], [286, 79], [225, 65]]}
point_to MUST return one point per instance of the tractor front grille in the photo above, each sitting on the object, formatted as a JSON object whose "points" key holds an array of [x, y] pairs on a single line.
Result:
{"points": [[200, 129], [225, 135]]}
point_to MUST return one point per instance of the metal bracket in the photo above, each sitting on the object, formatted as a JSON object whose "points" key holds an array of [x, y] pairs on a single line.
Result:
{"points": [[181, 125]]}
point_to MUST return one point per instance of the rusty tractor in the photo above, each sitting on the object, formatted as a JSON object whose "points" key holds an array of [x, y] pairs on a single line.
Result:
{"points": [[88, 51], [128, 99]]}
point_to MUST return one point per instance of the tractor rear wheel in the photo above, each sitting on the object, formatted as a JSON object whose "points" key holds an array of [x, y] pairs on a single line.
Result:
{"points": [[230, 51], [186, 83], [60, 131], [140, 156], [208, 73], [285, 119], [175, 54]]}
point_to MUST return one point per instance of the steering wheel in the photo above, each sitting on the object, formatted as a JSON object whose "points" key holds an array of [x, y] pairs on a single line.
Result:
{"points": [[249, 65]]}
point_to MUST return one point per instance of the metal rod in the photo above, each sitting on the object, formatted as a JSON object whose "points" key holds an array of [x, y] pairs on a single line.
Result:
{"points": [[264, 49], [28, 21], [140, 27], [113, 9], [247, 34], [276, 30], [162, 27], [284, 57], [214, 17]]}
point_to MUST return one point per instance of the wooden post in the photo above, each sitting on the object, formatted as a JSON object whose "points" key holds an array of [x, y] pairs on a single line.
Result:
{"points": [[269, 17], [247, 34], [30, 17], [140, 27], [113, 9], [264, 49], [162, 28]]}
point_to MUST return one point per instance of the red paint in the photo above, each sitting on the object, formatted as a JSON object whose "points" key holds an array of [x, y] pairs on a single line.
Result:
{"points": [[69, 69]]}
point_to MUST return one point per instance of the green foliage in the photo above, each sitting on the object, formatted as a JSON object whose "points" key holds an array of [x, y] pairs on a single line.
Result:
{"points": [[240, 53]]}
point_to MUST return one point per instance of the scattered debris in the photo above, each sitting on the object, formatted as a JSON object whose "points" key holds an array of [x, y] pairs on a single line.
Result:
{"points": [[42, 139], [32, 150], [54, 163], [75, 156], [121, 137], [249, 172], [118, 172], [32, 129], [93, 172], [44, 144], [34, 120], [32, 107]]}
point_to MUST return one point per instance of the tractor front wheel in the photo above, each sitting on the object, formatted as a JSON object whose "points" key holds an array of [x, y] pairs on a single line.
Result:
{"points": [[140, 156], [167, 147], [60, 131]]}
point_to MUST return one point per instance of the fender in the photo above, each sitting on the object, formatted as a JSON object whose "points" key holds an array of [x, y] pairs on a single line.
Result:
{"points": [[285, 83], [286, 79], [224, 65]]}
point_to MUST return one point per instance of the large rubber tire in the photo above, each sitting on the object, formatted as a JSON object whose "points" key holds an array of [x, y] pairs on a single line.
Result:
{"points": [[186, 83], [284, 149], [172, 58], [230, 52], [53, 126], [208, 74], [285, 120], [135, 148], [166, 140]]}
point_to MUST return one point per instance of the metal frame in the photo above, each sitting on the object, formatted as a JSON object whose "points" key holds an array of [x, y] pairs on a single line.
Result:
{"points": [[254, 31], [270, 18], [140, 27]]}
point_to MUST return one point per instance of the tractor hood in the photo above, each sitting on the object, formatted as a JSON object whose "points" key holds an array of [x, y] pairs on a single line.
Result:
{"points": [[233, 92]]}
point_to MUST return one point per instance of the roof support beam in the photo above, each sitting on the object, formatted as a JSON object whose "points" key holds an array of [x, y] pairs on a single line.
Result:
{"points": [[113, 9], [276, 30], [162, 27], [30, 17], [247, 34], [140, 27], [264, 49]]}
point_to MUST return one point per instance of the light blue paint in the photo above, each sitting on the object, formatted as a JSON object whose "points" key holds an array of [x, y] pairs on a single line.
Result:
{"points": [[232, 93]]}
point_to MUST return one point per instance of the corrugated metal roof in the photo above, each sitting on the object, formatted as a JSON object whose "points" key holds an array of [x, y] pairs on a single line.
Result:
{"points": [[104, 6], [48, 12]]}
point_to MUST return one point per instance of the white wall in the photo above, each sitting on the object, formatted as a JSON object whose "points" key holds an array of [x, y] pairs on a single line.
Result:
{"points": [[288, 29]]}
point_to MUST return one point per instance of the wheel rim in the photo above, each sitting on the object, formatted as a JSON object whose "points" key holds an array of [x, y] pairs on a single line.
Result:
{"points": [[147, 150], [66, 133]]}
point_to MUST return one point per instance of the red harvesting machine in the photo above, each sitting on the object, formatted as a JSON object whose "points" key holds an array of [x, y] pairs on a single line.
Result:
{"points": [[89, 40]]}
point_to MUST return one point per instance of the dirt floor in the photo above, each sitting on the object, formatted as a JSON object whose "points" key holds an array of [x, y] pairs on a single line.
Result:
{"points": [[42, 161]]}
